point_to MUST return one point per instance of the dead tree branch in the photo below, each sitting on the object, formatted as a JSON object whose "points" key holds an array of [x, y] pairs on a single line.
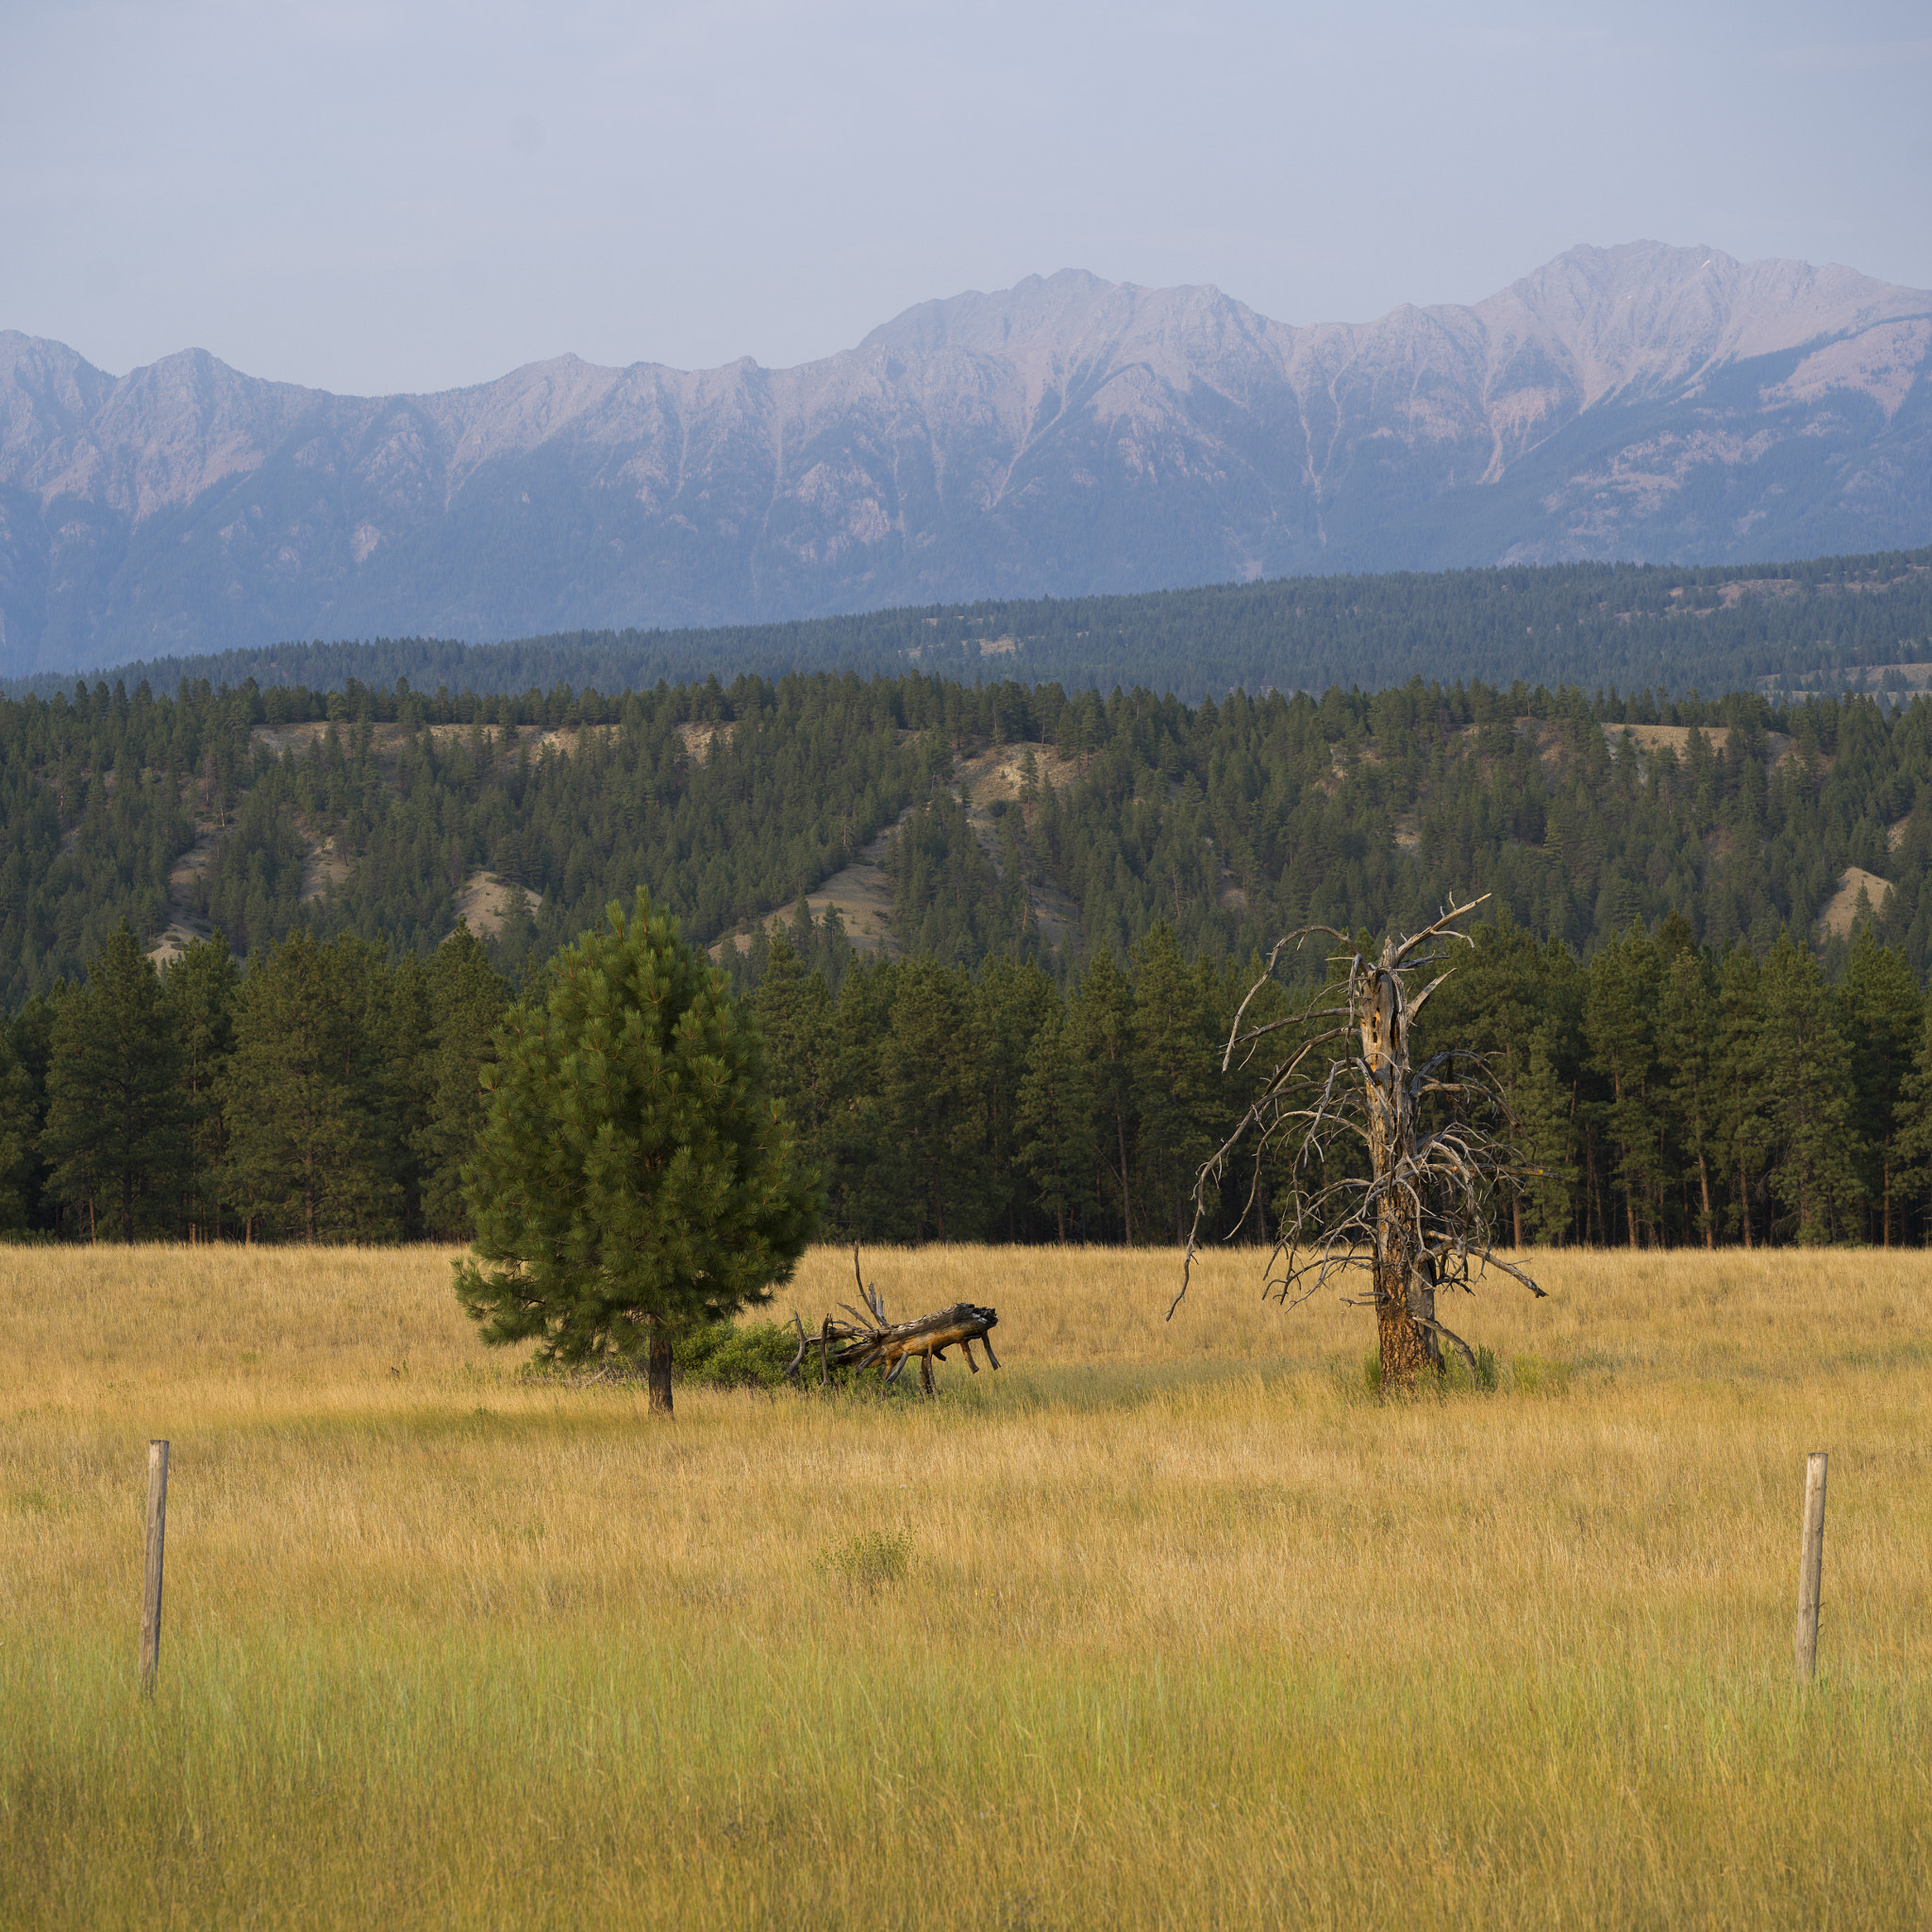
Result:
{"points": [[870, 1341]]}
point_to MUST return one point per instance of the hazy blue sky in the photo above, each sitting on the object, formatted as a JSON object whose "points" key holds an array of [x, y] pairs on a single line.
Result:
{"points": [[413, 195]]}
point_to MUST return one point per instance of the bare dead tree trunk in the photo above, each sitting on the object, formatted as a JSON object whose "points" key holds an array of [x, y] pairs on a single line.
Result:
{"points": [[1703, 1182], [1404, 1344], [1431, 1138]]}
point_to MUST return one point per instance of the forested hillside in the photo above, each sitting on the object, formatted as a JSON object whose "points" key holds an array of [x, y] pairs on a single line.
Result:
{"points": [[1830, 624], [962, 823], [994, 934]]}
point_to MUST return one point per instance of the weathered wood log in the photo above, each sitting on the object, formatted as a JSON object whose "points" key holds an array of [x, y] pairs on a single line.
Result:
{"points": [[870, 1341]]}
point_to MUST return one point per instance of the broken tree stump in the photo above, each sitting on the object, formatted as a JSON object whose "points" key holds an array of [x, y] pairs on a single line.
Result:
{"points": [[870, 1340]]}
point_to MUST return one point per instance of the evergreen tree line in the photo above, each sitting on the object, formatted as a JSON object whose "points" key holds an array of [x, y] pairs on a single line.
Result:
{"points": [[366, 812], [1817, 624], [1664, 1093], [325, 1093]]}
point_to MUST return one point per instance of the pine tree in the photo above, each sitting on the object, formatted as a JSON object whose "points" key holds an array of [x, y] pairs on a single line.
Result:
{"points": [[1880, 1014], [1101, 1020], [794, 1010], [1014, 998], [633, 1179], [467, 999], [1744, 1133], [1545, 1109], [1912, 1121], [1619, 1020], [199, 990], [1687, 1029], [114, 1130], [1055, 1124], [932, 1103], [304, 1141], [1174, 1070], [1804, 1067], [17, 1133]]}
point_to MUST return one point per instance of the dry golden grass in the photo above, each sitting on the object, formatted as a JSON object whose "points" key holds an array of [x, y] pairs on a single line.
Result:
{"points": [[1189, 1631]]}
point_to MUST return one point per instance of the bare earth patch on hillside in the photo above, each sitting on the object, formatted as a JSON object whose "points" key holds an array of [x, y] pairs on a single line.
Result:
{"points": [[485, 902], [324, 866], [502, 744], [1841, 914], [862, 892], [1675, 738], [185, 923]]}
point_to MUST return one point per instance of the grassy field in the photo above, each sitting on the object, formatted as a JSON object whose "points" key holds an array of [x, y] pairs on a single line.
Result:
{"points": [[1165, 1624]]}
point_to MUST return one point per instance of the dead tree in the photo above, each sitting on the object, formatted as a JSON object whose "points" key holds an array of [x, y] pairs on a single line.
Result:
{"points": [[870, 1341], [1425, 1148]]}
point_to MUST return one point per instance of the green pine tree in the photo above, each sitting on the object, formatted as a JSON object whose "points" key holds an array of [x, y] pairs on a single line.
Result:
{"points": [[1545, 1105], [1620, 1016], [304, 1130], [1175, 1063], [1807, 1078], [1912, 1121], [200, 990], [114, 1134], [1056, 1121], [1744, 1132], [1101, 1017], [633, 1179], [933, 1103], [1687, 1029], [1881, 1016], [17, 1134], [467, 998], [793, 1009]]}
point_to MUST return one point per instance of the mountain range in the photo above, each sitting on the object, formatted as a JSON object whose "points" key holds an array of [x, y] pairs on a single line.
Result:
{"points": [[1065, 435]]}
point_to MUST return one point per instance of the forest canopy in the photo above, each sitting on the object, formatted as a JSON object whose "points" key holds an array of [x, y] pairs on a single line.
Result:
{"points": [[1831, 622], [993, 932]]}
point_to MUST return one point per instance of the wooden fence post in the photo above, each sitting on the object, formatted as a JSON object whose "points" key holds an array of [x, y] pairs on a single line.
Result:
{"points": [[157, 1538], [1811, 1565]]}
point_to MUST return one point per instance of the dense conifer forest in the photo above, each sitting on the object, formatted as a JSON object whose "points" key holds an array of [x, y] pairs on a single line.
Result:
{"points": [[995, 935], [1828, 623]]}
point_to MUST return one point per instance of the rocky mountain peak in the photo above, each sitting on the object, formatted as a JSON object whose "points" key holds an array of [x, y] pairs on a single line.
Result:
{"points": [[1064, 435]]}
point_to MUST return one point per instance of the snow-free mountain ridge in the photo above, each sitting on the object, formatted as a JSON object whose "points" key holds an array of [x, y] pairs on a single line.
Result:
{"points": [[1062, 436]]}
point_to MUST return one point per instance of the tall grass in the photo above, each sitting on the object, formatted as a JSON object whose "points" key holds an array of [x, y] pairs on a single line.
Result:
{"points": [[1178, 1627]]}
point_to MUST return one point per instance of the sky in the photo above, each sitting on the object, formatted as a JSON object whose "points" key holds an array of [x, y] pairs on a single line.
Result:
{"points": [[414, 195]]}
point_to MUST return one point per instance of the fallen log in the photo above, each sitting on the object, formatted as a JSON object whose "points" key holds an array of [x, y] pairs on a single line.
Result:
{"points": [[870, 1340]]}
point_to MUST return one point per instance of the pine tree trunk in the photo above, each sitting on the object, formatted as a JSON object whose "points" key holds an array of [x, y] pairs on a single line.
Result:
{"points": [[1703, 1182], [657, 1370], [1126, 1207]]}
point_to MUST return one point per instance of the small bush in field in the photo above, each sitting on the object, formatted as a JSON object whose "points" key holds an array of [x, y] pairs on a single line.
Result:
{"points": [[871, 1560], [726, 1355]]}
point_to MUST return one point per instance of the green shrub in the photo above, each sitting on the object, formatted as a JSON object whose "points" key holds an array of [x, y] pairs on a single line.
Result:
{"points": [[728, 1354], [870, 1560]]}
